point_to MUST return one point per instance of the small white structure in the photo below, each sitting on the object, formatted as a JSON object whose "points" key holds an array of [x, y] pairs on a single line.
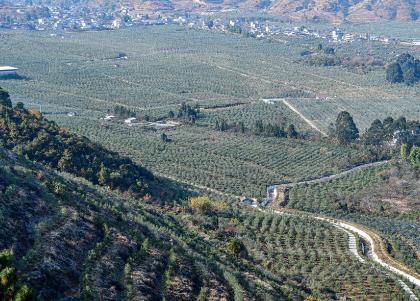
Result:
{"points": [[109, 117], [130, 120], [7, 70]]}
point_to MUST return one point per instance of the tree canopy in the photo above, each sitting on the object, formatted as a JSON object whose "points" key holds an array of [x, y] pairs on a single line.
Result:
{"points": [[346, 130], [30, 134], [5, 98], [406, 70]]}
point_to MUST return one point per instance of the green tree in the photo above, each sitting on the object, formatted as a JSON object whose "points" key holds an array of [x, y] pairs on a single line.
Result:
{"points": [[291, 131], [403, 152], [415, 156], [375, 135], [10, 290], [258, 127], [242, 127], [236, 248], [5, 98], [103, 175], [20, 105], [346, 130], [164, 137], [394, 73]]}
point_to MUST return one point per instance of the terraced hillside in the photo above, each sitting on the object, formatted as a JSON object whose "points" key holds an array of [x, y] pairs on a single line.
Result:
{"points": [[166, 244], [384, 198], [127, 249]]}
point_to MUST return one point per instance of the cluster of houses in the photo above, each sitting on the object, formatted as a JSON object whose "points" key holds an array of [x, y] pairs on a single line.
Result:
{"points": [[266, 29], [16, 14]]}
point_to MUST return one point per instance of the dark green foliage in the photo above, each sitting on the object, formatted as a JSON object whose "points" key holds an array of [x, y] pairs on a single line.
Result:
{"points": [[5, 98], [323, 60], [329, 50], [269, 130], [235, 29], [405, 70], [295, 94], [414, 156], [9, 288], [291, 131], [345, 129], [392, 131], [32, 135], [260, 129], [123, 112], [236, 248], [171, 114], [394, 73], [164, 137], [375, 134], [20, 106], [188, 112]]}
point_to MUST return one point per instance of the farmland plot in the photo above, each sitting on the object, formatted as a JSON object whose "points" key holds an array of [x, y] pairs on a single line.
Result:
{"points": [[234, 163]]}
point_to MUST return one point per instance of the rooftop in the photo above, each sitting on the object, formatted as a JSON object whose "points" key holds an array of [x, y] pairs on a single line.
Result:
{"points": [[7, 68]]}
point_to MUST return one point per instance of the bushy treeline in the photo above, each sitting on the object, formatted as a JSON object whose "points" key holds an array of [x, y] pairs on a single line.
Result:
{"points": [[30, 134], [123, 112], [406, 69], [186, 112], [259, 129], [410, 154], [388, 132]]}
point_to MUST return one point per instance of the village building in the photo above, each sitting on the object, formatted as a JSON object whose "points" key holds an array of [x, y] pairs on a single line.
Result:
{"points": [[130, 120]]}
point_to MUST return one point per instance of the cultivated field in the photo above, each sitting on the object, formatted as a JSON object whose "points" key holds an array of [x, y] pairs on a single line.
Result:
{"points": [[152, 70]]}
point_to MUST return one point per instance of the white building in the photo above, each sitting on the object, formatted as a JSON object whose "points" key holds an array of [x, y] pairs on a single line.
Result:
{"points": [[130, 120], [7, 70], [109, 117]]}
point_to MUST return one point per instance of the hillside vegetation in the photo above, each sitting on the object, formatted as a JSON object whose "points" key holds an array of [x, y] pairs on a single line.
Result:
{"points": [[33, 136], [331, 10], [203, 250], [122, 246]]}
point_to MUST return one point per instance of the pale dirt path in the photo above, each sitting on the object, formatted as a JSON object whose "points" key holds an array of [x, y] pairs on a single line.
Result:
{"points": [[350, 229], [311, 124], [413, 278]]}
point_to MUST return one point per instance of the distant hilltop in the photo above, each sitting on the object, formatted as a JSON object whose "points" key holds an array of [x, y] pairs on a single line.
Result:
{"points": [[323, 10], [328, 10]]}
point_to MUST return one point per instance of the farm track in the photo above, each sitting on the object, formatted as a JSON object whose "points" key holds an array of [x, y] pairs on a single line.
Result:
{"points": [[352, 229], [311, 124], [377, 252]]}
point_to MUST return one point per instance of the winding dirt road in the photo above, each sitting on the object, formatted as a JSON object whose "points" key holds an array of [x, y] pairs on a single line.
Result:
{"points": [[377, 252]]}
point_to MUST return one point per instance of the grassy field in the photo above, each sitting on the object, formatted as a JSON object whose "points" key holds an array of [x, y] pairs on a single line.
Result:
{"points": [[166, 66]]}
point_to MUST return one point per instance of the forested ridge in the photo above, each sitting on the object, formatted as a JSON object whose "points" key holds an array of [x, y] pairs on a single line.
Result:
{"points": [[31, 135]]}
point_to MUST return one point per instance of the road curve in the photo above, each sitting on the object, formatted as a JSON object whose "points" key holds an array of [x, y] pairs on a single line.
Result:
{"points": [[353, 228], [375, 256]]}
